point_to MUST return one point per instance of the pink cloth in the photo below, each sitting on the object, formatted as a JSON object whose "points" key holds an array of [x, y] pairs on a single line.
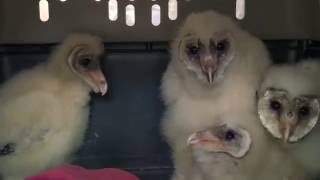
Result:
{"points": [[71, 172]]}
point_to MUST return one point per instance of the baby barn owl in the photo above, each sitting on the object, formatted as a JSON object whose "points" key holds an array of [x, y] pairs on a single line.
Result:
{"points": [[214, 62], [289, 109], [44, 110], [289, 101]]}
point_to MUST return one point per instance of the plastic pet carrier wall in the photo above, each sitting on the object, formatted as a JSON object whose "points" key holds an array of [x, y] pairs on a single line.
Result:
{"points": [[124, 127]]}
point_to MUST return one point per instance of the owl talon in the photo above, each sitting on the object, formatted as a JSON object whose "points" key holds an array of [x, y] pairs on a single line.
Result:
{"points": [[7, 149]]}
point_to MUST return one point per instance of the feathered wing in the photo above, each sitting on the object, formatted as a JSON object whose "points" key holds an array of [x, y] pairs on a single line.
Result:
{"points": [[171, 86], [307, 151], [26, 121], [37, 125]]}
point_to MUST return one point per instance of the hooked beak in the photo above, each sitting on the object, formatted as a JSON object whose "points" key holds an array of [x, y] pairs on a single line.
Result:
{"points": [[286, 126], [285, 132], [209, 66], [99, 82], [209, 74], [206, 140]]}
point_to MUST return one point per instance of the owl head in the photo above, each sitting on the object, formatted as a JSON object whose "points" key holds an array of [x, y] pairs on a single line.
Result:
{"points": [[233, 141], [288, 103], [210, 47], [288, 117], [205, 45]]}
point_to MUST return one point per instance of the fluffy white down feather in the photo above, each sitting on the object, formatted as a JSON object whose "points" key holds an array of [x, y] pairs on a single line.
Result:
{"points": [[300, 79], [193, 106], [44, 111]]}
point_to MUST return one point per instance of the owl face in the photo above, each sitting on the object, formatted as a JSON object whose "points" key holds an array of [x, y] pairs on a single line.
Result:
{"points": [[286, 117], [233, 141], [206, 56]]}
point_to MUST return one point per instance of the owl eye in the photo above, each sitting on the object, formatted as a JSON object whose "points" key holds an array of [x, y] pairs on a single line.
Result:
{"points": [[230, 135], [304, 111], [275, 105], [193, 50], [222, 46], [84, 62]]}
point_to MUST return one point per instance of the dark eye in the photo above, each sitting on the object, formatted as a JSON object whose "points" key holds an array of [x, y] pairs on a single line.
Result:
{"points": [[193, 50], [222, 45], [304, 111], [7, 149], [230, 135], [275, 105], [84, 62]]}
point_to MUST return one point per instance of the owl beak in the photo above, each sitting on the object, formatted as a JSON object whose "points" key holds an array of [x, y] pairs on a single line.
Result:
{"points": [[98, 82], [209, 67], [210, 78], [288, 123], [206, 140], [286, 132]]}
